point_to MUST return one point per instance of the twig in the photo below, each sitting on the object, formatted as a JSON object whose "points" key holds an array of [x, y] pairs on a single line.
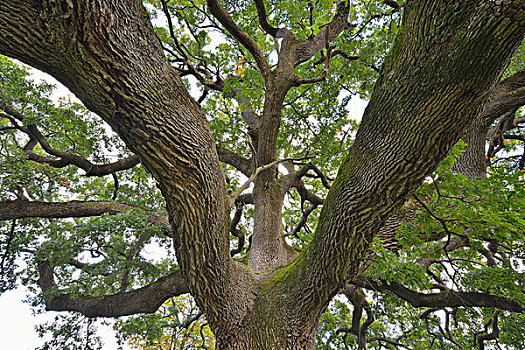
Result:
{"points": [[245, 185]]}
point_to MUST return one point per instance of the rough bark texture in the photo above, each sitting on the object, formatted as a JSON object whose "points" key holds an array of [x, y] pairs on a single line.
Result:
{"points": [[143, 300], [436, 80], [434, 83], [507, 97], [107, 54]]}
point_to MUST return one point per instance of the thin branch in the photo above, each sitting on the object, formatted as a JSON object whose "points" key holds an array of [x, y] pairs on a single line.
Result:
{"points": [[336, 53], [241, 36], [235, 231], [8, 247], [191, 320], [185, 58], [482, 336], [116, 186], [257, 171], [65, 158], [304, 219]]}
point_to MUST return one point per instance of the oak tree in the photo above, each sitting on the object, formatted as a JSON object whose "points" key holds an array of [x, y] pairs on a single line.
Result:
{"points": [[243, 167]]}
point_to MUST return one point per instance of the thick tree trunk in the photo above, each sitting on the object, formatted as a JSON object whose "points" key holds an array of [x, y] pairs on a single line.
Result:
{"points": [[107, 54], [437, 78]]}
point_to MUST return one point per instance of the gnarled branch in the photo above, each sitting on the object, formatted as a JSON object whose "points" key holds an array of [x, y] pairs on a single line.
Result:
{"points": [[10, 210], [449, 298], [143, 300]]}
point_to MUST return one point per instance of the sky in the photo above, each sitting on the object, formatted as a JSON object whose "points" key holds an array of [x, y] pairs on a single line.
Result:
{"points": [[17, 321]]}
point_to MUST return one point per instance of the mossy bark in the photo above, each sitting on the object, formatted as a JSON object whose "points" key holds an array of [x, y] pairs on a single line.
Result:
{"points": [[433, 84]]}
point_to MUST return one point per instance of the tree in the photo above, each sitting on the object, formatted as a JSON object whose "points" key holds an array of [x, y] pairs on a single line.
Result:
{"points": [[442, 69]]}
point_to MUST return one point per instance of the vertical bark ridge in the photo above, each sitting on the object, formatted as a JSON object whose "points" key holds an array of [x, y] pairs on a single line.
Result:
{"points": [[433, 84], [107, 54]]}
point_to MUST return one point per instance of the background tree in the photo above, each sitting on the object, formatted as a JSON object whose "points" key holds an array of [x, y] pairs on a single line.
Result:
{"points": [[274, 92]]}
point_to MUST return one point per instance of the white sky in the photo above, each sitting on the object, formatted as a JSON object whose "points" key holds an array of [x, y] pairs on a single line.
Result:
{"points": [[17, 321]]}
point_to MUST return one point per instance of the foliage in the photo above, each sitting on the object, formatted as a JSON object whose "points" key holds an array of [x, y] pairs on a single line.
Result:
{"points": [[68, 332], [480, 210], [177, 325], [123, 250]]}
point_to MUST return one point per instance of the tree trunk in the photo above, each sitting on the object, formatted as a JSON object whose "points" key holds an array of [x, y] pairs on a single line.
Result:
{"points": [[437, 78], [435, 81]]}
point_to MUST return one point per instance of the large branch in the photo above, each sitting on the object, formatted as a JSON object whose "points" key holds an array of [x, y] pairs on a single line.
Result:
{"points": [[503, 104], [415, 116], [10, 210], [308, 48], [449, 298], [238, 162], [117, 68], [507, 96], [143, 300], [263, 19]]}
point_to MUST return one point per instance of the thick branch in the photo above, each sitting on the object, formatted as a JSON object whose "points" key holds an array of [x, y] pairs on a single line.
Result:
{"points": [[74, 209], [502, 104], [508, 96], [143, 300], [240, 163], [224, 18], [308, 48], [482, 336], [263, 19], [393, 4], [414, 118], [107, 54], [443, 299]]}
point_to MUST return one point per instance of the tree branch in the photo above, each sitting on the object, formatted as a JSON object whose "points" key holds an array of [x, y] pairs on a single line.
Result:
{"points": [[31, 209], [240, 163], [235, 231], [393, 4], [263, 19], [143, 300], [218, 85], [65, 158], [505, 103], [443, 299], [308, 48], [480, 337], [303, 221], [224, 18], [310, 166], [253, 176]]}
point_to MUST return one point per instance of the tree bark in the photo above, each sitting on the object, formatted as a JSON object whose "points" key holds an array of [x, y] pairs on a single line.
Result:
{"points": [[106, 53], [436, 79], [508, 96]]}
